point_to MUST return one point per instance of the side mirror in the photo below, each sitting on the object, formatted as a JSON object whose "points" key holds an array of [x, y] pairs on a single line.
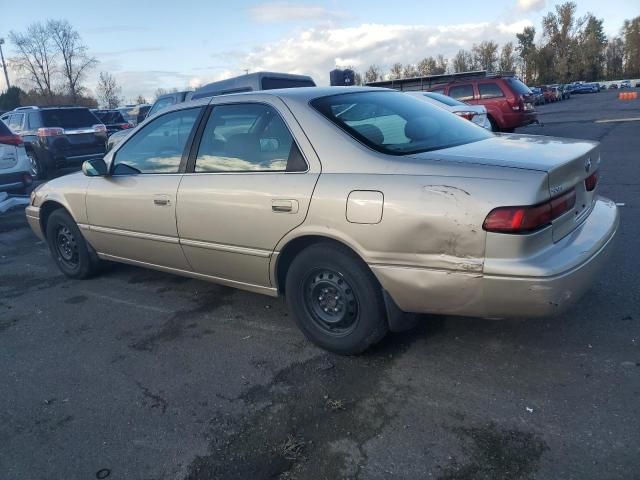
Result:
{"points": [[94, 168]]}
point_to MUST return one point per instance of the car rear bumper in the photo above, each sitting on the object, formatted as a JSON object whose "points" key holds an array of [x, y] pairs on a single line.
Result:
{"points": [[33, 218], [519, 119], [560, 279]]}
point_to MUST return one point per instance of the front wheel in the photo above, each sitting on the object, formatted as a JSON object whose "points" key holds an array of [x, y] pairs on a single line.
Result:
{"points": [[335, 299], [73, 255]]}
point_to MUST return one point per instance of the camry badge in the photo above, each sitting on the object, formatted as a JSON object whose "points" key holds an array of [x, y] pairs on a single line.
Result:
{"points": [[587, 165]]}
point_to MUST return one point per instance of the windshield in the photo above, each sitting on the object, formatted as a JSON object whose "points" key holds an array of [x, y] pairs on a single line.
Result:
{"points": [[451, 102], [69, 118], [397, 124]]}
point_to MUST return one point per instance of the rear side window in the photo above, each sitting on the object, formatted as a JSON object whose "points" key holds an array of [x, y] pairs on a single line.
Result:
{"points": [[247, 137], [451, 102], [490, 90], [69, 118], [461, 92], [438, 90], [33, 121], [517, 86], [394, 123]]}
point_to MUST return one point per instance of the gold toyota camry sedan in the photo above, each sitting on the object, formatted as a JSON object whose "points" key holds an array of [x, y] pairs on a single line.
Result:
{"points": [[362, 206]]}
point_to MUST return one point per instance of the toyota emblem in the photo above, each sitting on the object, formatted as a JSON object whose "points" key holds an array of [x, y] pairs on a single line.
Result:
{"points": [[587, 165]]}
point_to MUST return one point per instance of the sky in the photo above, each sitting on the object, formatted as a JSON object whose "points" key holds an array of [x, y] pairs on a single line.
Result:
{"points": [[170, 44]]}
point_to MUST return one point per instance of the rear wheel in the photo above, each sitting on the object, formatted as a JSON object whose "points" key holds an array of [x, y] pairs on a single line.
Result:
{"points": [[335, 299], [73, 255], [38, 169], [494, 125]]}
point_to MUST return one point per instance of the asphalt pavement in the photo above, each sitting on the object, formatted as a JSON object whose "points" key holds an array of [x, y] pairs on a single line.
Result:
{"points": [[138, 374]]}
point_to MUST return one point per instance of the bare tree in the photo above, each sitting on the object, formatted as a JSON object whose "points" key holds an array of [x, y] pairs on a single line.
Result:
{"points": [[108, 90], [36, 56], [396, 71], [441, 65], [463, 61], [76, 61], [409, 71], [372, 74], [507, 58], [140, 100], [485, 55]]}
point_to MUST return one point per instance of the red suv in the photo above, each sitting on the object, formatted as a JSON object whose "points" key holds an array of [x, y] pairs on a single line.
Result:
{"points": [[509, 102]]}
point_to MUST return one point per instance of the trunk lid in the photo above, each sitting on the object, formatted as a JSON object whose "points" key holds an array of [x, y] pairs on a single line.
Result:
{"points": [[567, 163]]}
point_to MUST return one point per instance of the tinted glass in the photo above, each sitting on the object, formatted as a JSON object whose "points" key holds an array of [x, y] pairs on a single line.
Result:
{"points": [[438, 90], [247, 138], [490, 90], [161, 104], [33, 121], [69, 118], [15, 121], [397, 124], [461, 92], [271, 83], [110, 117], [443, 99], [158, 147], [518, 86]]}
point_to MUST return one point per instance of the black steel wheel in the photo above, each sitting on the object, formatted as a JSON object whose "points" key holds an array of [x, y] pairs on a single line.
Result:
{"points": [[335, 299], [73, 255]]}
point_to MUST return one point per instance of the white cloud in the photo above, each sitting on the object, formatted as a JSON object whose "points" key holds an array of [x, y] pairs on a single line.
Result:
{"points": [[279, 12], [531, 5], [317, 50]]}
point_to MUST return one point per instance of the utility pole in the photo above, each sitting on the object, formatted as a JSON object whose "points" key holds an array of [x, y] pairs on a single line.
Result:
{"points": [[4, 65]]}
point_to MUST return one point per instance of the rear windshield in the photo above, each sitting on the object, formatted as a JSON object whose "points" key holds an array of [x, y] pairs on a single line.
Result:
{"points": [[452, 102], [397, 124], [518, 86], [110, 117], [69, 118], [272, 83]]}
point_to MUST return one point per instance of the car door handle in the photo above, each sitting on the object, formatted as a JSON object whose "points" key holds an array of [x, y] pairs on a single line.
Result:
{"points": [[284, 206], [161, 200]]}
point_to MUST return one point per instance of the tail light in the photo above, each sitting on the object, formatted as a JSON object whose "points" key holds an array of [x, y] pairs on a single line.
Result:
{"points": [[591, 181], [50, 132], [519, 106], [467, 115], [100, 128], [531, 218], [15, 140], [124, 126]]}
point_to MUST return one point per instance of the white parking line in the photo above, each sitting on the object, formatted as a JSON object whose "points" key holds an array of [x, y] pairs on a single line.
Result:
{"points": [[614, 120]]}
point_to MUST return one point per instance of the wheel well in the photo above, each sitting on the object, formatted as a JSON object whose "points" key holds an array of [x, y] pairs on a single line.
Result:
{"points": [[294, 247], [46, 210]]}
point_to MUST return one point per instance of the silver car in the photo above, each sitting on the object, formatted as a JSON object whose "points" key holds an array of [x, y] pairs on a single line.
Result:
{"points": [[360, 205], [474, 113], [16, 170]]}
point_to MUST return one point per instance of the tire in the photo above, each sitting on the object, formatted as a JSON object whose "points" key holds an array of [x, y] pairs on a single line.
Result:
{"points": [[335, 299], [494, 125], [73, 255], [38, 168]]}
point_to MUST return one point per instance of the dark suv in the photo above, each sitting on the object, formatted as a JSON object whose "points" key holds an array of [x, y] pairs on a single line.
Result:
{"points": [[58, 137]]}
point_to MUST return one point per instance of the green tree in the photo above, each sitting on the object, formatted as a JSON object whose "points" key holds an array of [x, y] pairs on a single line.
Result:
{"points": [[507, 62], [560, 30], [527, 51], [592, 43], [614, 57], [631, 35], [10, 99]]}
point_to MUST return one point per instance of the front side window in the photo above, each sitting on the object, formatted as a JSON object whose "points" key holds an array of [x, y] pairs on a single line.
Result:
{"points": [[396, 124], [490, 90], [158, 147], [247, 137], [15, 121], [461, 92]]}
